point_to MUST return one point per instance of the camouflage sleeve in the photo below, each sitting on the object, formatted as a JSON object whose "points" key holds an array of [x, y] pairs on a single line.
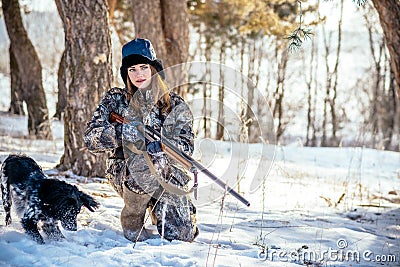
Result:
{"points": [[131, 134], [101, 135], [178, 127]]}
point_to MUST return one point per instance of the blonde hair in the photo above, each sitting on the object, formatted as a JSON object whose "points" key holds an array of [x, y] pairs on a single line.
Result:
{"points": [[159, 90]]}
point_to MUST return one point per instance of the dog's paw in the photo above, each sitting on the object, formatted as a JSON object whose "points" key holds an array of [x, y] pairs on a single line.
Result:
{"points": [[56, 236], [35, 235]]}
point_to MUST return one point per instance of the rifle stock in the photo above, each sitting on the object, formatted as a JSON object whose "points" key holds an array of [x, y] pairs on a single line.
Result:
{"points": [[114, 117], [181, 157]]}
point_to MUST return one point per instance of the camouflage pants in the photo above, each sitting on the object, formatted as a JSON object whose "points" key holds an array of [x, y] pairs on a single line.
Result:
{"points": [[174, 216]]}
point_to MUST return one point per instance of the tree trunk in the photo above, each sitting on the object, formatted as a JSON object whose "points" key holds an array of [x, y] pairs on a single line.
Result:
{"points": [[16, 106], [279, 95], [62, 87], [88, 76], [250, 116], [331, 85], [147, 18], [309, 83], [29, 70], [335, 123], [389, 14], [221, 92], [176, 31], [165, 23]]}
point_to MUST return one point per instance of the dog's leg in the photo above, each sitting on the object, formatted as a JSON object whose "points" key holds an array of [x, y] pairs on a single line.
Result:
{"points": [[30, 227], [6, 197], [31, 217], [51, 229]]}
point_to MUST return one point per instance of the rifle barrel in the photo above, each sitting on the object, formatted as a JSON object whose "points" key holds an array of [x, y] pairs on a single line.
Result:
{"points": [[154, 135]]}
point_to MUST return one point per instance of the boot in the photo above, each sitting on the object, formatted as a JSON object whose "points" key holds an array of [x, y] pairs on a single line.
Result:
{"points": [[132, 215]]}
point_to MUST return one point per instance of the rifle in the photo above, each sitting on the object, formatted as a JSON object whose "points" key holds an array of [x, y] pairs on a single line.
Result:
{"points": [[179, 156]]}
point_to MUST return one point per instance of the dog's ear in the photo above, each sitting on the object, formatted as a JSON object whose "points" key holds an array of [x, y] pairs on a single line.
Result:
{"points": [[88, 201]]}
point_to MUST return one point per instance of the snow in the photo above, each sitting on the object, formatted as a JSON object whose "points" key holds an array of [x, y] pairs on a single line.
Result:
{"points": [[313, 200], [299, 216]]}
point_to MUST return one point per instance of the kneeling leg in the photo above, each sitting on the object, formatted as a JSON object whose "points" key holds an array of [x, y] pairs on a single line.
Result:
{"points": [[176, 217], [132, 215]]}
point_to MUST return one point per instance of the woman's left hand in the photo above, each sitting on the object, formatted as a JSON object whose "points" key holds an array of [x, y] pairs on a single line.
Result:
{"points": [[154, 147]]}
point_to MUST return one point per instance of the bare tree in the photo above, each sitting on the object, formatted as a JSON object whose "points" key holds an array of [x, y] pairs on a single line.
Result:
{"points": [[331, 86], [62, 87], [389, 14], [281, 55], [378, 79], [16, 103], [311, 83], [250, 92], [26, 72], [88, 76], [383, 101], [165, 23], [221, 95]]}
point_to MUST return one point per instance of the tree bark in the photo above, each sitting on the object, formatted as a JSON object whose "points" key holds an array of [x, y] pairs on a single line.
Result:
{"points": [[389, 14], [29, 71], [16, 104], [147, 18], [165, 23], [88, 76], [62, 88], [176, 31]]}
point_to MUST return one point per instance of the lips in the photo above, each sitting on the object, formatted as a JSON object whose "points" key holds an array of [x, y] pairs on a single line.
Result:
{"points": [[140, 80]]}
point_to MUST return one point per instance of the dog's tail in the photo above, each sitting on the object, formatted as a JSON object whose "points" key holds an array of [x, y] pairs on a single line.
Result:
{"points": [[6, 193]]}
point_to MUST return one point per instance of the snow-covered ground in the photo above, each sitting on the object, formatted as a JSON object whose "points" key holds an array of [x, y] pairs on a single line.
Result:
{"points": [[319, 207]]}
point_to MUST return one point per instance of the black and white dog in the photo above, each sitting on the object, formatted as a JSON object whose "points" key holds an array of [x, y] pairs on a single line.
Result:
{"points": [[38, 198]]}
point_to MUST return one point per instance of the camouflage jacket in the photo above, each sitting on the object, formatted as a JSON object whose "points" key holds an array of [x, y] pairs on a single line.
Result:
{"points": [[126, 166]]}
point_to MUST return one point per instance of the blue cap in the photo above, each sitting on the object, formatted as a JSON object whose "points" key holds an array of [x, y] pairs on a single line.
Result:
{"points": [[139, 51], [141, 47]]}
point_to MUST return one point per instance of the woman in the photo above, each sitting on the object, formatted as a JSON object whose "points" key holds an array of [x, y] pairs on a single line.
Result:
{"points": [[136, 167]]}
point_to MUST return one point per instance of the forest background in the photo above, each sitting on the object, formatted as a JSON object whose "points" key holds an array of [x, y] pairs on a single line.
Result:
{"points": [[323, 69]]}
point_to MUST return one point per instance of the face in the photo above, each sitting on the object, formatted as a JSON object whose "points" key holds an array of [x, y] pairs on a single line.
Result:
{"points": [[140, 75], [69, 220], [69, 213]]}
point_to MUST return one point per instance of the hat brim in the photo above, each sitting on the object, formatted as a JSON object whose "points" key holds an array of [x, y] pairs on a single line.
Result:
{"points": [[134, 59]]}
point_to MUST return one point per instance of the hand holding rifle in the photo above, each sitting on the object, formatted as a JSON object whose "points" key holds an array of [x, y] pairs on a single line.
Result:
{"points": [[160, 143]]}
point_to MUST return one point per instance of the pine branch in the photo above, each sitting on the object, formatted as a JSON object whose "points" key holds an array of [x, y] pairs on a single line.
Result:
{"points": [[360, 2], [300, 34]]}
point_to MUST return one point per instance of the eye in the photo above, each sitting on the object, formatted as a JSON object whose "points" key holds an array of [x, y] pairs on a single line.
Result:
{"points": [[131, 70], [144, 67]]}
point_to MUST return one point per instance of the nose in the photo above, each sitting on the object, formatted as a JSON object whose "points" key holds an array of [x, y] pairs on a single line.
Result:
{"points": [[139, 73]]}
